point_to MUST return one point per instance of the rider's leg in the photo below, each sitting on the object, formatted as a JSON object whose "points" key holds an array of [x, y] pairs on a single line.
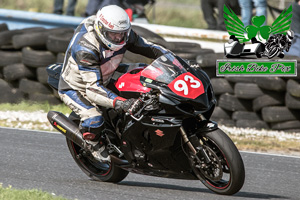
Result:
{"points": [[91, 122]]}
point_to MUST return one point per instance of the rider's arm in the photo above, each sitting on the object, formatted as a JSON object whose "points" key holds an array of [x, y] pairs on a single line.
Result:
{"points": [[139, 45]]}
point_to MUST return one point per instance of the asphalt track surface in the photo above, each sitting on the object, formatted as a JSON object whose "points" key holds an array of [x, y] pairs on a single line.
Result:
{"points": [[41, 160]]}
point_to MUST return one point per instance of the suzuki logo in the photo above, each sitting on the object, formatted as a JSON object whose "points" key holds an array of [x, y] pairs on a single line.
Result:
{"points": [[210, 125], [159, 133], [122, 85]]}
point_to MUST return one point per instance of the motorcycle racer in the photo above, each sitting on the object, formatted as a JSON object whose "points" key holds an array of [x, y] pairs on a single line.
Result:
{"points": [[278, 43], [94, 53]]}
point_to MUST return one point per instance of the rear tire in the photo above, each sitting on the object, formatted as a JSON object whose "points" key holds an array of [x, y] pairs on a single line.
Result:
{"points": [[106, 172], [228, 178]]}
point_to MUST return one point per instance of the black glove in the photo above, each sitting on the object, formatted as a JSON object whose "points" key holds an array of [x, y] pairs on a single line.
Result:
{"points": [[129, 105]]}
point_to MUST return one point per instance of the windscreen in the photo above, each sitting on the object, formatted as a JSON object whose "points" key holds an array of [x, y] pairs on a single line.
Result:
{"points": [[168, 70], [164, 69]]}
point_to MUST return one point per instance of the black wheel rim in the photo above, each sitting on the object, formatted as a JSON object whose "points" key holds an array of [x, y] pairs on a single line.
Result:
{"points": [[218, 173], [90, 164]]}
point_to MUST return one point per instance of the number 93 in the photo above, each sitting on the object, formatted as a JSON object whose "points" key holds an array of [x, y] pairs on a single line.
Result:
{"points": [[181, 85]]}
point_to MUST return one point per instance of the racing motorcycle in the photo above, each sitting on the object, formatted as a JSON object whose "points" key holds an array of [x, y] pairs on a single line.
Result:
{"points": [[277, 44], [169, 136]]}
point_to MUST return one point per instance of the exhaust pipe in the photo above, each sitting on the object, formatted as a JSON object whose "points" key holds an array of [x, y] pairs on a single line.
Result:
{"points": [[68, 128]]}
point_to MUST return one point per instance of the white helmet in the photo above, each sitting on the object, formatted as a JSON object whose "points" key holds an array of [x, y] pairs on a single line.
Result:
{"points": [[113, 26], [290, 35]]}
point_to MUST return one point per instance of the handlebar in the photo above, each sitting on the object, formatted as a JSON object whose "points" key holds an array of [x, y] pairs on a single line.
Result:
{"points": [[137, 105], [140, 105]]}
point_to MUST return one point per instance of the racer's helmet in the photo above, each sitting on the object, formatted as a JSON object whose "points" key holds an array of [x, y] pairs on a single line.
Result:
{"points": [[290, 35], [112, 26]]}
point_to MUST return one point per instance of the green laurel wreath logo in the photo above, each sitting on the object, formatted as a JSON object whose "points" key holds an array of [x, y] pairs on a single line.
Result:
{"points": [[236, 27]]}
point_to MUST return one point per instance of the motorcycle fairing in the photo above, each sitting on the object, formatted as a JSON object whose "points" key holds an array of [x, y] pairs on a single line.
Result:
{"points": [[130, 82], [187, 85], [205, 99], [169, 74], [154, 136], [175, 69]]}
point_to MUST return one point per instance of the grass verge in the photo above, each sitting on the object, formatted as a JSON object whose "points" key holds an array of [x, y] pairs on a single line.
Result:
{"points": [[31, 107], [266, 144], [9, 193]]}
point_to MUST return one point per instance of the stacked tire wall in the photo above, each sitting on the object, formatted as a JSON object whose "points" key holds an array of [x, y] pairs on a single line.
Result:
{"points": [[262, 103], [255, 102], [24, 57]]}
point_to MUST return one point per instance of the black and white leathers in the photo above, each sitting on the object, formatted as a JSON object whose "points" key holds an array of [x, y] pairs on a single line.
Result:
{"points": [[89, 65]]}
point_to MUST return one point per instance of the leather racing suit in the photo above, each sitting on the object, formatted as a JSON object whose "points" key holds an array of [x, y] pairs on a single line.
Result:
{"points": [[88, 67]]}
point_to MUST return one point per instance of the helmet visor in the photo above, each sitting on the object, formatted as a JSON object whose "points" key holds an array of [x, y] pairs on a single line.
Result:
{"points": [[115, 37]]}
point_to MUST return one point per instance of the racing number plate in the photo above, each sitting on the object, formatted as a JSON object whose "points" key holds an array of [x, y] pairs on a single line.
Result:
{"points": [[187, 85]]}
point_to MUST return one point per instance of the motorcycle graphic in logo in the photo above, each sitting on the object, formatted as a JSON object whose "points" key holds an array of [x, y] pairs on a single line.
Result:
{"points": [[278, 37]]}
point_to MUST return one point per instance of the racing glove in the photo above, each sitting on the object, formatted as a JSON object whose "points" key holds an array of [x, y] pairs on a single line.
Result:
{"points": [[130, 106]]}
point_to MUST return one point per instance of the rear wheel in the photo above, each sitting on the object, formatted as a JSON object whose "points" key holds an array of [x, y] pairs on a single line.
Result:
{"points": [[107, 172], [225, 174]]}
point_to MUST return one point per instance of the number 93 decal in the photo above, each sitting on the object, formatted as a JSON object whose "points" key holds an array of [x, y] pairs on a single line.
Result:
{"points": [[187, 85]]}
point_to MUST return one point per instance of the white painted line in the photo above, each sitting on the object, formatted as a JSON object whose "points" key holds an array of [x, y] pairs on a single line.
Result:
{"points": [[185, 32], [270, 154], [23, 129]]}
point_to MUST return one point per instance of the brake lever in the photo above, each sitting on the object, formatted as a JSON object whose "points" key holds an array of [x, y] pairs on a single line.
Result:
{"points": [[133, 117], [137, 113], [145, 104]]}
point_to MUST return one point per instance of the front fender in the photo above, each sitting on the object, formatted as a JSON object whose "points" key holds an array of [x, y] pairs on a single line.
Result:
{"points": [[206, 126]]}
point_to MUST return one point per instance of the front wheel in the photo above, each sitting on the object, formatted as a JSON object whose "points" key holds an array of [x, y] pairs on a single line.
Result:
{"points": [[225, 174], [273, 52]]}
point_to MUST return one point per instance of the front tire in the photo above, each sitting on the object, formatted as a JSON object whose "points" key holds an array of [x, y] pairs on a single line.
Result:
{"points": [[226, 173], [273, 52]]}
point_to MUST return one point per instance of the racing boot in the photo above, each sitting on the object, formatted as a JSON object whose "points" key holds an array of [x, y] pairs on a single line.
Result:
{"points": [[96, 144], [99, 151]]}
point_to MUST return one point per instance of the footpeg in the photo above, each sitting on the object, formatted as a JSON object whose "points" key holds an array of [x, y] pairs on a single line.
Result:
{"points": [[112, 148]]}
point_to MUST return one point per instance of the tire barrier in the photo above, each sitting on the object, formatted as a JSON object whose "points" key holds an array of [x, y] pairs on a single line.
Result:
{"points": [[24, 56], [186, 50], [262, 103]]}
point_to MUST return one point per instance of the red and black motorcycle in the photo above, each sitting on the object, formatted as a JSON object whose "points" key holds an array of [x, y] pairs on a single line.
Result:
{"points": [[171, 134]]}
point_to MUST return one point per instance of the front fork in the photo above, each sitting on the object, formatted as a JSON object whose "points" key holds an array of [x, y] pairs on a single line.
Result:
{"points": [[195, 146], [193, 141]]}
